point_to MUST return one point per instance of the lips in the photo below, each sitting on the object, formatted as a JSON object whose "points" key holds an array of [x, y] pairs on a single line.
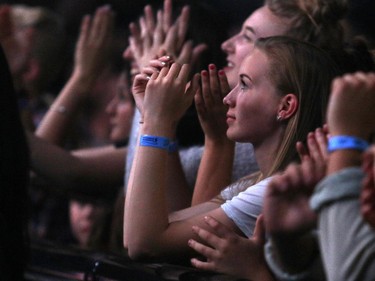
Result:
{"points": [[230, 118]]}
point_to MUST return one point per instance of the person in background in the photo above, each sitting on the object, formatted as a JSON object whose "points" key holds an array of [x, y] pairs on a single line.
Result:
{"points": [[32, 38]]}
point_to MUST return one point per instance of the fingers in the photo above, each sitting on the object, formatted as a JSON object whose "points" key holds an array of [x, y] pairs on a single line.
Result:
{"points": [[203, 265], [186, 52], [170, 39], [149, 18], [197, 53], [84, 32], [159, 32], [194, 85], [167, 15], [302, 150], [183, 24], [224, 84], [259, 230], [102, 22]]}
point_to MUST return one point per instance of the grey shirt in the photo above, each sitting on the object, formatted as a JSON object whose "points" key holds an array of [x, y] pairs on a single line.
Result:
{"points": [[244, 159]]}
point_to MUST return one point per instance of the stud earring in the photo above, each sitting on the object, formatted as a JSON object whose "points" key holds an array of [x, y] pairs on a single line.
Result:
{"points": [[278, 117]]}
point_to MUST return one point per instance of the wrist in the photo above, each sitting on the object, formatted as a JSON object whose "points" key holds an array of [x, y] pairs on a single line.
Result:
{"points": [[158, 128], [158, 142], [222, 143], [346, 142], [83, 81]]}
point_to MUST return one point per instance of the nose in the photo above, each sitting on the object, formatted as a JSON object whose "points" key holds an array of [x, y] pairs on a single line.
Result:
{"points": [[88, 210], [111, 106], [227, 46], [230, 99]]}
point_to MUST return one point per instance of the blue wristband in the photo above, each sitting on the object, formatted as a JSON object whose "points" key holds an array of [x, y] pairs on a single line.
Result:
{"points": [[155, 141], [346, 142]]}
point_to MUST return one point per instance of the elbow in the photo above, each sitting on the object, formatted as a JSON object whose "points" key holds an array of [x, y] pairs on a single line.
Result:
{"points": [[140, 251]]}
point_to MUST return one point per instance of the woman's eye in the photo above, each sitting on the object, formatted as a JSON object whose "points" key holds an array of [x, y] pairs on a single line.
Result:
{"points": [[243, 86]]}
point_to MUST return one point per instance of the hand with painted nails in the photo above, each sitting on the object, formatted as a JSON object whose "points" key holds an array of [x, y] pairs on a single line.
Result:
{"points": [[227, 252], [368, 186], [93, 45], [209, 103]]}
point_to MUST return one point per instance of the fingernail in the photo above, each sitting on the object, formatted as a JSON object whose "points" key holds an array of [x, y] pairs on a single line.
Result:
{"points": [[212, 67], [148, 77], [221, 72], [204, 73], [163, 63]]}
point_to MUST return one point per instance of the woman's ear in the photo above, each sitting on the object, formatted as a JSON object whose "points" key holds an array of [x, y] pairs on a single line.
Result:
{"points": [[288, 106]]}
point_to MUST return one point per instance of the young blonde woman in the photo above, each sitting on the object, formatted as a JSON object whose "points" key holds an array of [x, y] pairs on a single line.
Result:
{"points": [[280, 96]]}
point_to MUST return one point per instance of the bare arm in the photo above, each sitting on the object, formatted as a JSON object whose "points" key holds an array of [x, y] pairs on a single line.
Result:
{"points": [[147, 229], [90, 58], [91, 169], [215, 169]]}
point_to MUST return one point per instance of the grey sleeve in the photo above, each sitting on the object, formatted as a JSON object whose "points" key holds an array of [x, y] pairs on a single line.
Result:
{"points": [[347, 242]]}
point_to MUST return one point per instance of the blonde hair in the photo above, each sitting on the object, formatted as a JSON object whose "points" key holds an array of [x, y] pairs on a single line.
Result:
{"points": [[314, 21], [296, 67]]}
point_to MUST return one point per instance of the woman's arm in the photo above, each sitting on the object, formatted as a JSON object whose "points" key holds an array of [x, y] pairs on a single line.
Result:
{"points": [[90, 58], [147, 230], [90, 170], [215, 169]]}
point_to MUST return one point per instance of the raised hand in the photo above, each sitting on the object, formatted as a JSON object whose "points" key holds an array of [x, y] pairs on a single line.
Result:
{"points": [[351, 106], [93, 45], [166, 98], [227, 252], [150, 40], [368, 187], [286, 205], [140, 80], [209, 103]]}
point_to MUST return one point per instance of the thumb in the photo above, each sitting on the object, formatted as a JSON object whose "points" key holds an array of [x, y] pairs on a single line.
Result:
{"points": [[259, 232]]}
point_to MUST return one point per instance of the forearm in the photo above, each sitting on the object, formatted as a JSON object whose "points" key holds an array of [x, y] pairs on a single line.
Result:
{"points": [[178, 191], [79, 172], [215, 171], [146, 215], [64, 109]]}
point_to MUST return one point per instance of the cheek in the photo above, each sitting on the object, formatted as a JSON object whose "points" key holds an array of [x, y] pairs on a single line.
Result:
{"points": [[125, 112]]}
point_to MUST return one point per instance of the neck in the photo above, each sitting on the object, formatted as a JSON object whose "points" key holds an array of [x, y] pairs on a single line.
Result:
{"points": [[266, 151]]}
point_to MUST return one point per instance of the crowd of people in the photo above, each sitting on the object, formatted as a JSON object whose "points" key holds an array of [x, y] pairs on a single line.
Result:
{"points": [[242, 146]]}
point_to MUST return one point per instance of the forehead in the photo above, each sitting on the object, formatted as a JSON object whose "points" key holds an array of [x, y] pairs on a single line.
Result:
{"points": [[264, 23], [255, 65]]}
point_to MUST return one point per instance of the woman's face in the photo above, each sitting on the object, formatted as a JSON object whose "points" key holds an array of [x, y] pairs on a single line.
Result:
{"points": [[261, 23], [82, 218], [253, 103], [121, 110]]}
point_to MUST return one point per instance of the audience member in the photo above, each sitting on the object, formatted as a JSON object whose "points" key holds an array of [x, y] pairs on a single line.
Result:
{"points": [[288, 108], [345, 238], [33, 37]]}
